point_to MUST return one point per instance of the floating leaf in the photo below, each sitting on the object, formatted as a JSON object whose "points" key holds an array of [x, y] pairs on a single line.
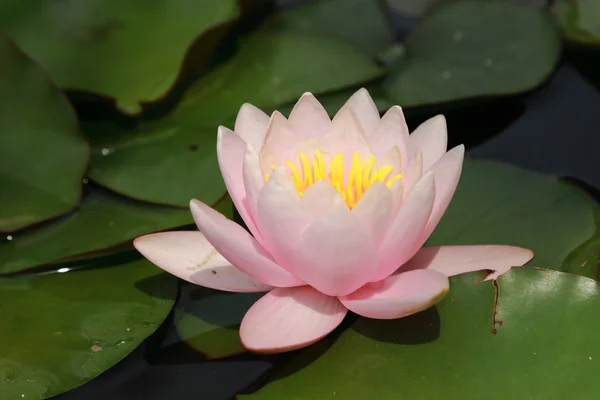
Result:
{"points": [[339, 19], [174, 159], [534, 337], [579, 20], [496, 203], [43, 156], [465, 50], [62, 330], [103, 220], [208, 320], [128, 50]]}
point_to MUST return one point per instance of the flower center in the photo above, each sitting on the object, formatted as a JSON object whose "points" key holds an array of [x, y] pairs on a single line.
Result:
{"points": [[361, 176]]}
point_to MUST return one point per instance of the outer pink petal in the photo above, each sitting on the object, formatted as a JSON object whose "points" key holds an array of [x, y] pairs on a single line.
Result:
{"points": [[280, 216], [290, 318], [280, 143], [399, 295], [239, 247], [335, 255], [414, 171], [191, 257], [375, 211], [391, 131], [251, 124], [253, 179], [432, 138], [309, 118], [454, 260], [318, 198], [230, 153], [365, 109], [406, 230], [447, 173], [345, 136]]}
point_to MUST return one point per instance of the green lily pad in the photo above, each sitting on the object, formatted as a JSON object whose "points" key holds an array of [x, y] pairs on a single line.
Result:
{"points": [[339, 19], [579, 20], [208, 320], [43, 155], [103, 220], [519, 342], [128, 50], [496, 203], [174, 159], [465, 50], [62, 330]]}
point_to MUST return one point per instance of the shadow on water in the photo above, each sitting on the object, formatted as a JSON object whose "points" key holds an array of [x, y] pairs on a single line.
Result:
{"points": [[420, 328]]}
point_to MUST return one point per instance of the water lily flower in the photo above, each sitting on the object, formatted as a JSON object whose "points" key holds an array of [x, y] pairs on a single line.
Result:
{"points": [[337, 213]]}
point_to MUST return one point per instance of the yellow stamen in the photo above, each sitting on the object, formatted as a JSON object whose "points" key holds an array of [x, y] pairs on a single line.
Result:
{"points": [[307, 170], [351, 187]]}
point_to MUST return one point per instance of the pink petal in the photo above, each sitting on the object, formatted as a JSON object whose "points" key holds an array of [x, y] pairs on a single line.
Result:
{"points": [[432, 138], [399, 295], [454, 260], [280, 216], [290, 318], [345, 136], [280, 143], [447, 173], [406, 230], [318, 198], [253, 179], [309, 118], [414, 171], [375, 209], [189, 256], [365, 109], [251, 124], [335, 254], [239, 247], [391, 132], [230, 153]]}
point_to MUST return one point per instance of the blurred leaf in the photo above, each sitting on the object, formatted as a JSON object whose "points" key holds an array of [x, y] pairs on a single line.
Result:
{"points": [[103, 220], [173, 159], [62, 330], [208, 320], [413, 7], [128, 50], [579, 20], [537, 341], [499, 203], [43, 156], [362, 23], [470, 49]]}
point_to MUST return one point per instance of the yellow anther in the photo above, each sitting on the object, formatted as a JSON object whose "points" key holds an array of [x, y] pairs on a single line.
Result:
{"points": [[307, 170], [321, 163], [383, 172], [296, 176], [351, 187]]}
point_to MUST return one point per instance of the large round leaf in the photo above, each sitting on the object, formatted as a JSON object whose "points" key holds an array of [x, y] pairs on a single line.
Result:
{"points": [[129, 50], [61, 330], [43, 155], [174, 159], [339, 18], [534, 337], [496, 203], [469, 49], [579, 20], [102, 220]]}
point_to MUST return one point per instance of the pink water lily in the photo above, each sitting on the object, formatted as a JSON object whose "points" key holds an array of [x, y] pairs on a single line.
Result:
{"points": [[338, 211]]}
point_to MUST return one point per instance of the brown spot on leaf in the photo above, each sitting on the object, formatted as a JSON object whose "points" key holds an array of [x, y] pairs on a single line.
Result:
{"points": [[95, 348]]}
